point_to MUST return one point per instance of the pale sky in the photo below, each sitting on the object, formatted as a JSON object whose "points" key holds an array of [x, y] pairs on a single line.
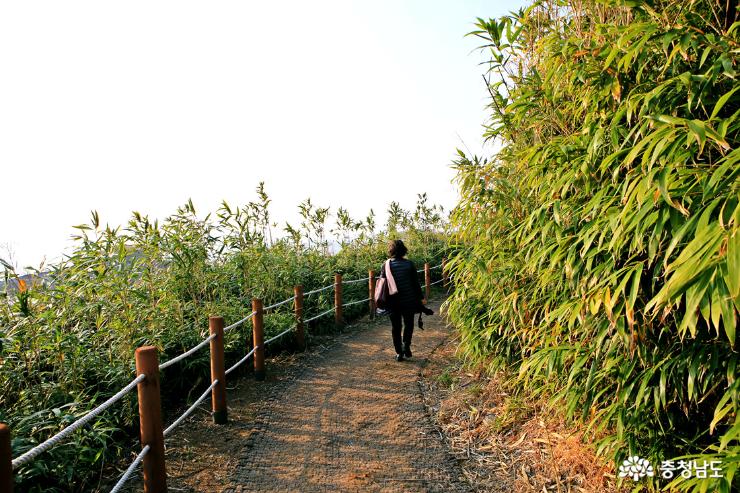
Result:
{"points": [[140, 105]]}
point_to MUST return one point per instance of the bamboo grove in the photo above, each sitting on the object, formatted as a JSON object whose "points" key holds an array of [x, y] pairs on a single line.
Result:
{"points": [[67, 343], [597, 253]]}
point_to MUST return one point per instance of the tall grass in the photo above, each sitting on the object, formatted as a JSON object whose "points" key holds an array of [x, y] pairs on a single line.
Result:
{"points": [[598, 252], [69, 344]]}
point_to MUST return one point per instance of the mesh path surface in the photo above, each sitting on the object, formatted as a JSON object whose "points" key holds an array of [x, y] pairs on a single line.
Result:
{"points": [[344, 418], [352, 419]]}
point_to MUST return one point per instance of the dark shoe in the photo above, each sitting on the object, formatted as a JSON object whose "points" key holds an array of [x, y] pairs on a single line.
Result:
{"points": [[399, 357], [407, 350]]}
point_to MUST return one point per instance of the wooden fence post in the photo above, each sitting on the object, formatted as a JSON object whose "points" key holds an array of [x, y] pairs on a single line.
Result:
{"points": [[150, 420], [299, 331], [371, 292], [427, 282], [6, 460], [258, 339], [218, 392], [444, 273], [338, 319]]}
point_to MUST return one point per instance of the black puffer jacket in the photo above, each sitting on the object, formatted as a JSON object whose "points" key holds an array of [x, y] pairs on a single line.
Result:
{"points": [[409, 294]]}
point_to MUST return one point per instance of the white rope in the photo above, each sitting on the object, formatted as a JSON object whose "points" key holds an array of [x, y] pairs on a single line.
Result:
{"points": [[356, 280], [436, 282], [430, 268], [356, 302], [250, 353], [235, 324], [268, 341], [43, 447], [190, 410], [130, 470], [319, 315], [319, 290], [279, 304], [187, 353]]}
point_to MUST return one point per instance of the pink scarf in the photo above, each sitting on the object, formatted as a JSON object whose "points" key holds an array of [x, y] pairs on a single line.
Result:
{"points": [[392, 289]]}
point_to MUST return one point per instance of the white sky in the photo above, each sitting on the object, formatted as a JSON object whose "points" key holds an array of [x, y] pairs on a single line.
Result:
{"points": [[139, 105]]}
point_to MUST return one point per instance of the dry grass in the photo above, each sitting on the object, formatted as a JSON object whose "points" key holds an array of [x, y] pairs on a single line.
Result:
{"points": [[506, 442]]}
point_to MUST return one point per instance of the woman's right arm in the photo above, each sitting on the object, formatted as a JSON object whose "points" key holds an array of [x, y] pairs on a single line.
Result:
{"points": [[415, 282]]}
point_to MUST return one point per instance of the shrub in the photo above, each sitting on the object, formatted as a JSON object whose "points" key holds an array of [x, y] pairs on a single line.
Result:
{"points": [[598, 253]]}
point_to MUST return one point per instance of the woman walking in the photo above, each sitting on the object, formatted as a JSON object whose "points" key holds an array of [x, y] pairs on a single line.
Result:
{"points": [[406, 301]]}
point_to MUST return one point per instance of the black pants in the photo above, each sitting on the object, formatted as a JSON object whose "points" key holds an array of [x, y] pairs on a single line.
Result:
{"points": [[408, 328]]}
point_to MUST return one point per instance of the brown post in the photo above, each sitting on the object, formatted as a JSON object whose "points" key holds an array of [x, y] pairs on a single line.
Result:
{"points": [[218, 393], [299, 333], [338, 319], [6, 460], [258, 339], [427, 282], [150, 420], [371, 292], [444, 273]]}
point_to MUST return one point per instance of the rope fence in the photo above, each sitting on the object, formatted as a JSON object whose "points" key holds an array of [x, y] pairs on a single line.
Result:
{"points": [[46, 445], [353, 281], [148, 371], [190, 410], [268, 341], [187, 353], [330, 286], [356, 302], [130, 470], [280, 303], [241, 361], [327, 312], [237, 324]]}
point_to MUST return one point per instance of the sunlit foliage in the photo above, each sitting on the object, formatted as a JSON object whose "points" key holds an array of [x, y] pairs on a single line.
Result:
{"points": [[598, 252]]}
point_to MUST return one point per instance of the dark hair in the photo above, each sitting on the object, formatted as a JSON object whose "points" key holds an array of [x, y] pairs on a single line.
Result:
{"points": [[396, 249]]}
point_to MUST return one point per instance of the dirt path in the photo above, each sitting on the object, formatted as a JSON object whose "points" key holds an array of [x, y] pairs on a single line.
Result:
{"points": [[347, 417]]}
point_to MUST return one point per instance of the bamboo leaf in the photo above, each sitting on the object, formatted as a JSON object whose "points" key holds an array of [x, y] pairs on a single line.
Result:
{"points": [[722, 101], [732, 277]]}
